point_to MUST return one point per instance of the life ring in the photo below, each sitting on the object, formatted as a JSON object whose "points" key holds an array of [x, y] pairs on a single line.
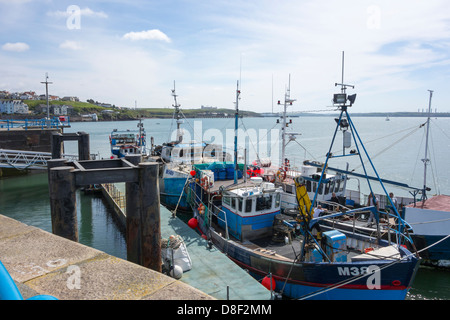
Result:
{"points": [[281, 174]]}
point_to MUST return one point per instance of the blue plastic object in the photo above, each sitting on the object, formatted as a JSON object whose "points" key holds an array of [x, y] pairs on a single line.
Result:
{"points": [[9, 290]]}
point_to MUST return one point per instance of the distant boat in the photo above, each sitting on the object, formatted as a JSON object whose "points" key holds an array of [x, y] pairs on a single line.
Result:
{"points": [[127, 142], [387, 118]]}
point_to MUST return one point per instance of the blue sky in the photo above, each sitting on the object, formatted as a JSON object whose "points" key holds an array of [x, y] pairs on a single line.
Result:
{"points": [[127, 52]]}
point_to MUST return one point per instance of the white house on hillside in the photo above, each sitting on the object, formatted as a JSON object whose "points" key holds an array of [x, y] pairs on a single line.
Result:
{"points": [[13, 106]]}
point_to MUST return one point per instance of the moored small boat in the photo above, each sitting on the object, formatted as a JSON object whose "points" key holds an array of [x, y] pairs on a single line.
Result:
{"points": [[128, 142]]}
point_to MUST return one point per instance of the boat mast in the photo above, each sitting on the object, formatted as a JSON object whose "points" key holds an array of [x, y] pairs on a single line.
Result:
{"points": [[426, 160], [177, 114], [236, 117], [287, 100], [140, 141]]}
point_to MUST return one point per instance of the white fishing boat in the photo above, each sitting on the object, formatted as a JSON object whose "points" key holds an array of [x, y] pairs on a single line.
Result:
{"points": [[176, 160]]}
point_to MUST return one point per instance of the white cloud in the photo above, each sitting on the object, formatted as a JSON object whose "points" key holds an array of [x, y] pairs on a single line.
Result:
{"points": [[17, 46], [153, 34], [71, 45]]}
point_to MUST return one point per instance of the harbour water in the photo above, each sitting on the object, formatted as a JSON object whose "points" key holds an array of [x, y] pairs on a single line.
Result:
{"points": [[396, 148]]}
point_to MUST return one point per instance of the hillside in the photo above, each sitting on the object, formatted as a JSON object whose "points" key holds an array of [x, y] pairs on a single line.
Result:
{"points": [[105, 114]]}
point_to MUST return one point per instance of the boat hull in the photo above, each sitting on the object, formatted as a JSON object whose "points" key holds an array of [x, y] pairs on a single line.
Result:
{"points": [[313, 280], [434, 249], [172, 189], [431, 225]]}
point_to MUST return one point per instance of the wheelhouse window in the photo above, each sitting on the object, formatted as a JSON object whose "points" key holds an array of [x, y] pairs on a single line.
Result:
{"points": [[321, 188], [338, 182], [290, 189], [264, 202], [226, 200], [248, 204], [277, 200], [233, 203]]}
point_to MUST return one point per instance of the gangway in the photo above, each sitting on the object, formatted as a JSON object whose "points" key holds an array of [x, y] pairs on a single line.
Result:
{"points": [[21, 160]]}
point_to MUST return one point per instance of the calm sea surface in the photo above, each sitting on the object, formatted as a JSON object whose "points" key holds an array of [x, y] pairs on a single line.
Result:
{"points": [[396, 148]]}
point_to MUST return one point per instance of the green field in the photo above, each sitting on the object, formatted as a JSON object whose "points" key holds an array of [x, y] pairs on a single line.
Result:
{"points": [[80, 108]]}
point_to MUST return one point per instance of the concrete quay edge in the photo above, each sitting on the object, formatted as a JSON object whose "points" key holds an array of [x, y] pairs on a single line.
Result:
{"points": [[42, 263]]}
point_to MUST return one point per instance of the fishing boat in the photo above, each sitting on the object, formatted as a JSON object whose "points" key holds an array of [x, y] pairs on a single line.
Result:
{"points": [[426, 220], [176, 160], [283, 172], [128, 142], [430, 222], [430, 218], [291, 251]]}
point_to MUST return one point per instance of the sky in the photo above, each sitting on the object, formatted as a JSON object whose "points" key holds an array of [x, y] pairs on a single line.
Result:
{"points": [[131, 53]]}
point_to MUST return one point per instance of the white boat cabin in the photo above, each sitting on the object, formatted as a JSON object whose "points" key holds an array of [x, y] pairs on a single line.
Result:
{"points": [[330, 184]]}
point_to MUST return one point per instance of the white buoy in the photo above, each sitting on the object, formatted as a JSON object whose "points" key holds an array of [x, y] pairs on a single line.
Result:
{"points": [[176, 272]]}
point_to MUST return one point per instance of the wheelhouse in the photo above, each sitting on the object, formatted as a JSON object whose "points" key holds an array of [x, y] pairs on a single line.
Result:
{"points": [[249, 212]]}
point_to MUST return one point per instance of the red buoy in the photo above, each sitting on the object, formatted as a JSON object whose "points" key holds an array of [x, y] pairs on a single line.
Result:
{"points": [[193, 223], [193, 173], [266, 283]]}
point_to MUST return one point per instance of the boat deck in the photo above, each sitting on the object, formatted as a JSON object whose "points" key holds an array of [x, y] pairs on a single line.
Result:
{"points": [[225, 184], [289, 251]]}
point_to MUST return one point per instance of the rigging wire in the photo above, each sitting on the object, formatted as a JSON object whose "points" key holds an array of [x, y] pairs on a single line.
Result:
{"points": [[433, 168], [388, 147], [251, 142], [332, 287], [306, 151], [437, 126], [417, 159]]}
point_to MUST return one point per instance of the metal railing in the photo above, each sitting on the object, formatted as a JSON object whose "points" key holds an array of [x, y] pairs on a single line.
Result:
{"points": [[116, 195], [54, 123], [21, 160]]}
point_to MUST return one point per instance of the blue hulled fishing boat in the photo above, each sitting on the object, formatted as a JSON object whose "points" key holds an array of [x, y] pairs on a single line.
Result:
{"points": [[290, 250], [128, 142]]}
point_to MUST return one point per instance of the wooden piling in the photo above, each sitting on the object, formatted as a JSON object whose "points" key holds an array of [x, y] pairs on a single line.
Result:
{"points": [[150, 215], [133, 227], [83, 146], [63, 206], [56, 145], [133, 216]]}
